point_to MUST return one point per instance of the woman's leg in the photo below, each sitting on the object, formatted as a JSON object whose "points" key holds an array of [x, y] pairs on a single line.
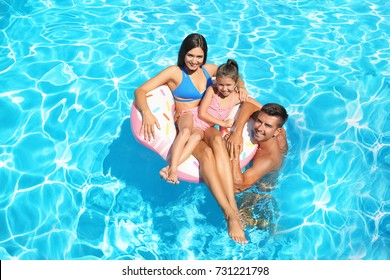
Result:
{"points": [[209, 172], [193, 141], [184, 124], [214, 139]]}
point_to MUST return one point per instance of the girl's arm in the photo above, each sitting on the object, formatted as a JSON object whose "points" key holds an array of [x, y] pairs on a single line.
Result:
{"points": [[204, 105], [167, 76]]}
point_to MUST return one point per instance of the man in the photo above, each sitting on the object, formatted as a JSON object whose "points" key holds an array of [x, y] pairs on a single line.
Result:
{"points": [[208, 169], [271, 140]]}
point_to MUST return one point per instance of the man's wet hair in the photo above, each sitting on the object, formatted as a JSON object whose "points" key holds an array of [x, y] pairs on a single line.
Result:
{"points": [[274, 110]]}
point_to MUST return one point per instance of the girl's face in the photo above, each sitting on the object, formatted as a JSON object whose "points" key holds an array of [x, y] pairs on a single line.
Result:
{"points": [[225, 85], [194, 59]]}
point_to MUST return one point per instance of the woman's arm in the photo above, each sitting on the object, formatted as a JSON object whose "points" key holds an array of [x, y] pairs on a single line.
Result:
{"points": [[243, 93], [169, 76]]}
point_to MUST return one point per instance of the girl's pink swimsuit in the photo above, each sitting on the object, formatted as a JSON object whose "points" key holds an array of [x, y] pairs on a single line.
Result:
{"points": [[214, 109]]}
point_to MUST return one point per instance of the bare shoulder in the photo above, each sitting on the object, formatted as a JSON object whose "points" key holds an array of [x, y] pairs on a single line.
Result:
{"points": [[282, 141], [263, 163], [172, 70], [170, 76], [211, 69], [270, 158], [262, 157], [211, 90]]}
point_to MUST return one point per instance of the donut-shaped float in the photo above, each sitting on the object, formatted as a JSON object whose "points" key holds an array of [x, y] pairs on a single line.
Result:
{"points": [[162, 105]]}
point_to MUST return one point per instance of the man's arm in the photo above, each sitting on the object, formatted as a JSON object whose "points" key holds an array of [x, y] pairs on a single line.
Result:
{"points": [[234, 140], [243, 181]]}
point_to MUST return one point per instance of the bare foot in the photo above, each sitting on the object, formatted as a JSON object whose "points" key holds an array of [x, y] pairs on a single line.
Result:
{"points": [[172, 176], [235, 230], [241, 220], [237, 212], [164, 172]]}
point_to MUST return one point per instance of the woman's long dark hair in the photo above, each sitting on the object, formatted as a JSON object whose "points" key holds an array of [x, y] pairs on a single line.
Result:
{"points": [[192, 41]]}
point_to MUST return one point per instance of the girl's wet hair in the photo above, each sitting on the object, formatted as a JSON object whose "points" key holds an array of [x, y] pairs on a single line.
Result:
{"points": [[192, 41], [228, 69]]}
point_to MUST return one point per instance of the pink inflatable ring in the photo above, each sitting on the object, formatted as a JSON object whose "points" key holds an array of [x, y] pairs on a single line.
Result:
{"points": [[162, 105]]}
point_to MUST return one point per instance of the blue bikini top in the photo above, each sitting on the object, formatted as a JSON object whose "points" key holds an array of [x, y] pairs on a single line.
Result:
{"points": [[186, 91]]}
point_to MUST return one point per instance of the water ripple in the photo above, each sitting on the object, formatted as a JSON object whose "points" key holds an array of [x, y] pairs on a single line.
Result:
{"points": [[70, 183]]}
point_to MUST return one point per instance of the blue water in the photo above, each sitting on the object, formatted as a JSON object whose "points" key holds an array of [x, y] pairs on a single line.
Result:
{"points": [[74, 184]]}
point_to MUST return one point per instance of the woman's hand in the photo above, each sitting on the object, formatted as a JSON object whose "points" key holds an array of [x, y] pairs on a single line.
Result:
{"points": [[147, 127], [243, 93]]}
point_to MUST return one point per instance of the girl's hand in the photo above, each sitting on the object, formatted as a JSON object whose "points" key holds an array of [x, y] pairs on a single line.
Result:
{"points": [[229, 123], [147, 127]]}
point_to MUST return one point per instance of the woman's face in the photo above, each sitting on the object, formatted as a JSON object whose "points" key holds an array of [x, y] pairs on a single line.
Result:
{"points": [[194, 59]]}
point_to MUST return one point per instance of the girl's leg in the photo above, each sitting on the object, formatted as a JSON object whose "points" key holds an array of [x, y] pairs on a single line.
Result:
{"points": [[214, 139], [193, 141], [184, 124], [195, 138], [209, 172]]}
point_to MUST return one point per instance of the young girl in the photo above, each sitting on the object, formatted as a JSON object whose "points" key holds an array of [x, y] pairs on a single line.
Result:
{"points": [[214, 109]]}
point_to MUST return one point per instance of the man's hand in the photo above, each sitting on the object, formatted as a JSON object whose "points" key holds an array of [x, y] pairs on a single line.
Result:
{"points": [[239, 189], [234, 142]]}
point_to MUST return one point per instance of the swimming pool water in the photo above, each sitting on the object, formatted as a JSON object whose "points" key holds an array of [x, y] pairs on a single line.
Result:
{"points": [[74, 184]]}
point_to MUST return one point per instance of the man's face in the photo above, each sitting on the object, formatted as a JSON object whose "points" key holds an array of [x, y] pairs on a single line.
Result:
{"points": [[265, 127]]}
